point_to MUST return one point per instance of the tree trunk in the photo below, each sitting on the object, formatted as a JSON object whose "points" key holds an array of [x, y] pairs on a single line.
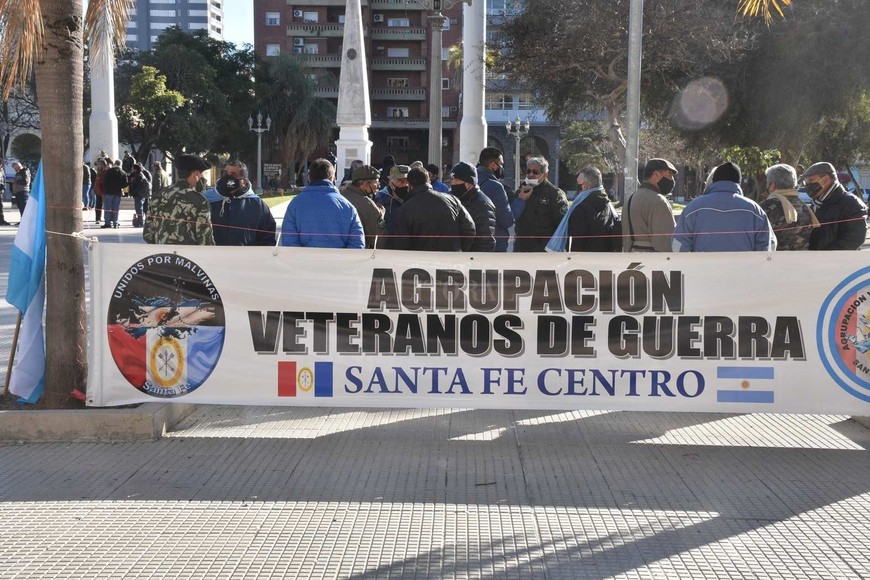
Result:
{"points": [[59, 80]]}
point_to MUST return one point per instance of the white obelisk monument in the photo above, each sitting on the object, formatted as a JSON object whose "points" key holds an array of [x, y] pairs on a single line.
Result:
{"points": [[472, 127], [354, 115], [103, 123]]}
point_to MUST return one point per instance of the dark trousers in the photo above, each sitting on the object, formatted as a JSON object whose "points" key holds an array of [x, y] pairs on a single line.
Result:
{"points": [[99, 208], [21, 200]]}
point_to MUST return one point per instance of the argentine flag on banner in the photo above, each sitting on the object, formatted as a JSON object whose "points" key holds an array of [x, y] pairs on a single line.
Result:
{"points": [[26, 292]]}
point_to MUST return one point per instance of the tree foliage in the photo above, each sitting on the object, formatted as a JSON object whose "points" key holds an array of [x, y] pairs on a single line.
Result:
{"points": [[145, 116]]}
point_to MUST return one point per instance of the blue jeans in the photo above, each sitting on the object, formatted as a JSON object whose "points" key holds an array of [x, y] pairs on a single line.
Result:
{"points": [[111, 206], [139, 205], [88, 196]]}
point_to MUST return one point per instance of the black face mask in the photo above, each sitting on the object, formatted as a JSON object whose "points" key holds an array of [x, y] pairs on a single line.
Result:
{"points": [[458, 190], [403, 193], [813, 189], [498, 172], [200, 184], [666, 185], [229, 186]]}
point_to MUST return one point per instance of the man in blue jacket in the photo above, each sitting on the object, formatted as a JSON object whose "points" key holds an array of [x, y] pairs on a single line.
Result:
{"points": [[490, 169], [238, 216], [722, 220], [320, 217]]}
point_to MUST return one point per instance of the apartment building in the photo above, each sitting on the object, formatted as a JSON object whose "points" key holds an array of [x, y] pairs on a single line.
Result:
{"points": [[398, 38], [151, 17]]}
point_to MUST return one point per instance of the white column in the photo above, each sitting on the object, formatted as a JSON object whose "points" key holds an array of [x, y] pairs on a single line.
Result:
{"points": [[436, 22], [472, 127], [103, 123], [354, 115]]}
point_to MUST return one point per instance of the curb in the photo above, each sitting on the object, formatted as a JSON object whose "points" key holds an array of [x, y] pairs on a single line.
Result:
{"points": [[147, 422], [862, 421]]}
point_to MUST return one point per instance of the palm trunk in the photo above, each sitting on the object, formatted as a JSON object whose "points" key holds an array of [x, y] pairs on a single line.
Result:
{"points": [[59, 81]]}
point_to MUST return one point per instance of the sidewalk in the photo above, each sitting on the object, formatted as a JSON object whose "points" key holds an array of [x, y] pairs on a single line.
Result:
{"points": [[282, 492]]}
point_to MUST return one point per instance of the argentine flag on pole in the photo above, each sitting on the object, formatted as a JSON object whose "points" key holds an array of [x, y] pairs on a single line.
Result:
{"points": [[26, 292]]}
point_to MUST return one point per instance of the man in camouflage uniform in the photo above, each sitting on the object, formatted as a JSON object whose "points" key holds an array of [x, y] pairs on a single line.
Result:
{"points": [[792, 219], [180, 214]]}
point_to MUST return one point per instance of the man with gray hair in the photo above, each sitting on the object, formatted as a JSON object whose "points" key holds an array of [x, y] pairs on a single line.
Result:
{"points": [[591, 223], [792, 219], [538, 208], [841, 215]]}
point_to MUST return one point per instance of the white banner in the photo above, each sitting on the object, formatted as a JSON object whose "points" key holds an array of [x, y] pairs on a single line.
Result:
{"points": [[737, 332]]}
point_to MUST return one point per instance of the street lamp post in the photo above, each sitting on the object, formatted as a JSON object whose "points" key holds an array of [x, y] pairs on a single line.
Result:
{"points": [[517, 130], [259, 129]]}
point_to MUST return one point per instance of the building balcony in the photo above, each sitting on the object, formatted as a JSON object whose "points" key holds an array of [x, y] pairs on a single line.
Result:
{"points": [[409, 123], [321, 61], [326, 92], [398, 94], [397, 33], [295, 3], [403, 5], [399, 64], [309, 29]]}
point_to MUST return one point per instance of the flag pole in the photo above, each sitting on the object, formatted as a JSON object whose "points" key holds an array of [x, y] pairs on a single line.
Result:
{"points": [[12, 355]]}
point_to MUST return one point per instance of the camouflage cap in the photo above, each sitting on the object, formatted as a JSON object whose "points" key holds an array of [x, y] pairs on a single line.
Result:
{"points": [[399, 172], [365, 172]]}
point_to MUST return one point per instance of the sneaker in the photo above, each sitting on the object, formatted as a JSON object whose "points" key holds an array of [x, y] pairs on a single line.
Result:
{"points": [[105, 226]]}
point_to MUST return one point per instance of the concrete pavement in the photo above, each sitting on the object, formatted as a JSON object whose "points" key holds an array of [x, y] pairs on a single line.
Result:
{"points": [[280, 492]]}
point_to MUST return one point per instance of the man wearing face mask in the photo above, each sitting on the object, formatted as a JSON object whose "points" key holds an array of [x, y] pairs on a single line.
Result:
{"points": [[538, 208], [841, 214], [238, 216], [463, 184], [648, 218], [394, 194], [180, 214], [360, 193], [490, 170]]}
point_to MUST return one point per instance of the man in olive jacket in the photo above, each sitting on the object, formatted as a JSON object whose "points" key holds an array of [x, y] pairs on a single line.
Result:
{"points": [[364, 181], [648, 217], [538, 208]]}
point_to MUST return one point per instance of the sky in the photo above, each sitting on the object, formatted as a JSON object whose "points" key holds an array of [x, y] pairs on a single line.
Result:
{"points": [[239, 21]]}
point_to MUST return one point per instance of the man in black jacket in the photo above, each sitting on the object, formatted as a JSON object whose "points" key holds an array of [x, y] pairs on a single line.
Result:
{"points": [[593, 225], [431, 221], [463, 184], [114, 182], [842, 216]]}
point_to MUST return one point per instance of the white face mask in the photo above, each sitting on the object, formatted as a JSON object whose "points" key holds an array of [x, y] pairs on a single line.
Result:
{"points": [[532, 182]]}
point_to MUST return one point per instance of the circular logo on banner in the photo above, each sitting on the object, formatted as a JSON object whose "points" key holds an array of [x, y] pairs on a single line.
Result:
{"points": [[166, 325], [843, 334]]}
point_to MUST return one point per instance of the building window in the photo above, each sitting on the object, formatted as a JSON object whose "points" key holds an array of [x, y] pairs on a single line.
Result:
{"points": [[197, 26], [163, 25], [397, 112], [163, 13], [446, 25], [496, 7], [445, 112], [399, 22], [311, 49], [273, 19], [132, 38], [525, 101], [394, 143], [400, 83], [445, 84], [445, 54], [273, 49], [310, 17], [499, 101], [398, 52], [198, 13]]}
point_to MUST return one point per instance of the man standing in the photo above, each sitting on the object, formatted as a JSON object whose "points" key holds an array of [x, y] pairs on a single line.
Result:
{"points": [[140, 191], [360, 193], [722, 220], [591, 224], [21, 186], [648, 218], [114, 183], [538, 208], [394, 194], [437, 184], [842, 216], [238, 216], [159, 178], [490, 169], [320, 217], [179, 214], [792, 220], [431, 221], [463, 184]]}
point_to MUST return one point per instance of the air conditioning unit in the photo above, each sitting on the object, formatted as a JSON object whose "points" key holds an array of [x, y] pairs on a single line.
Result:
{"points": [[298, 50], [378, 18], [298, 42], [297, 14]]}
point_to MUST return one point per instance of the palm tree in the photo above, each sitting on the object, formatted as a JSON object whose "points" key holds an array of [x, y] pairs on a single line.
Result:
{"points": [[302, 120], [45, 37], [762, 7]]}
